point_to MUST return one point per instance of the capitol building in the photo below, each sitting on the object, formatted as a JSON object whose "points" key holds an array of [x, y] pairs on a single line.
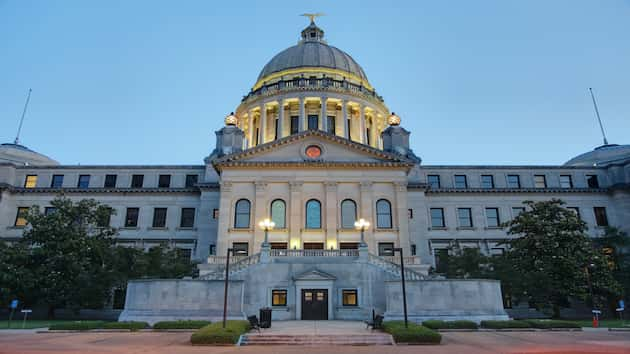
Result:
{"points": [[314, 191]]}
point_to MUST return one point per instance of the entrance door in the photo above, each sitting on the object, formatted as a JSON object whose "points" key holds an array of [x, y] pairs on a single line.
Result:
{"points": [[314, 304]]}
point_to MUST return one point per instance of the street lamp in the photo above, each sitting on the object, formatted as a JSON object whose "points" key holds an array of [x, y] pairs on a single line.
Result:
{"points": [[227, 276], [362, 225], [402, 275], [266, 225], [594, 310]]}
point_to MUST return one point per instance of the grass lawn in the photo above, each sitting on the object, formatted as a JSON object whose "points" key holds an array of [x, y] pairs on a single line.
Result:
{"points": [[604, 323], [30, 324]]}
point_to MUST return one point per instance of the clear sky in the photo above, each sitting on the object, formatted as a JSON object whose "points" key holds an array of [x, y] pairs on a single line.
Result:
{"points": [[476, 82]]}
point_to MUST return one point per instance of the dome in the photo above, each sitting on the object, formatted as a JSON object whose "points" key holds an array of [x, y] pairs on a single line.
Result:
{"points": [[602, 155], [21, 155], [313, 51]]}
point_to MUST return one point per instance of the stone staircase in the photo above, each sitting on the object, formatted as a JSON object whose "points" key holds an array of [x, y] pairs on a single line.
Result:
{"points": [[376, 338]]}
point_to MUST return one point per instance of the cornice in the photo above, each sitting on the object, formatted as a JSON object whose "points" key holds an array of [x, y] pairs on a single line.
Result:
{"points": [[515, 190], [314, 164], [111, 167], [22, 190]]}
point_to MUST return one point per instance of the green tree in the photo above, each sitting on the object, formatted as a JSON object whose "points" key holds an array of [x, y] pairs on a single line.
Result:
{"points": [[467, 262], [555, 258], [615, 245]]}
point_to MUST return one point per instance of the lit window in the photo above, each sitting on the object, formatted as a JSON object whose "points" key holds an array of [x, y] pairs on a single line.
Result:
{"points": [[566, 181], [492, 217], [187, 218], [241, 215], [348, 214], [30, 181], [487, 181], [433, 181], [540, 181], [278, 213], [20, 219], [460, 181], [465, 217], [349, 297], [278, 297], [437, 217]]}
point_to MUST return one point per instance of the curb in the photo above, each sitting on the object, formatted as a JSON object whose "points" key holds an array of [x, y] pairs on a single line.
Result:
{"points": [[619, 329], [103, 330]]}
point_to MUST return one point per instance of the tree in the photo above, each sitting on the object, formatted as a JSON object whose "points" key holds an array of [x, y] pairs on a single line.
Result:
{"points": [[615, 245], [467, 262], [555, 258]]}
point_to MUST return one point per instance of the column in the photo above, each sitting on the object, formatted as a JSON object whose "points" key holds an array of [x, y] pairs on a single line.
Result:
{"points": [[374, 130], [323, 115], [344, 112], [331, 214], [401, 216], [223, 235], [363, 134], [296, 222], [263, 123], [280, 118], [260, 212], [252, 130], [301, 118], [365, 212]]}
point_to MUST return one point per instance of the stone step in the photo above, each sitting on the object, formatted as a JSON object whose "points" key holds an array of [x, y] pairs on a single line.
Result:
{"points": [[324, 339]]}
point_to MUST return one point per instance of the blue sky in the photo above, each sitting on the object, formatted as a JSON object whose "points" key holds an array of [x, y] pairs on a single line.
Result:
{"points": [[476, 82]]}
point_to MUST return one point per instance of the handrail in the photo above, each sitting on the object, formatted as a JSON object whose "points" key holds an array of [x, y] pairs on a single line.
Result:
{"points": [[409, 260], [393, 267], [222, 259]]}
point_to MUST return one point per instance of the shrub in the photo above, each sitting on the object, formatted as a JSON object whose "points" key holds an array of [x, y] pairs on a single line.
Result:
{"points": [[505, 324], [460, 324], [215, 333], [182, 324], [546, 324], [76, 325], [134, 326], [414, 334]]}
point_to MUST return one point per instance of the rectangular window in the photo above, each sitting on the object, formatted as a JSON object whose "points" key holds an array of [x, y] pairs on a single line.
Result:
{"points": [[349, 128], [437, 217], [460, 181], [278, 297], [592, 181], [131, 219], [84, 181], [566, 181], [433, 181], [465, 217], [386, 249], [441, 260], [212, 250], [191, 180], [30, 181], [295, 125], [20, 218], [487, 181], [410, 213], [279, 245], [576, 210], [313, 245], [57, 181], [110, 181], [514, 181], [164, 181], [137, 181], [516, 211], [313, 122], [159, 217], [367, 136], [188, 217], [331, 124], [540, 181], [413, 250], [600, 216], [49, 210], [215, 213], [184, 253], [240, 248], [349, 297], [348, 245], [492, 217]]}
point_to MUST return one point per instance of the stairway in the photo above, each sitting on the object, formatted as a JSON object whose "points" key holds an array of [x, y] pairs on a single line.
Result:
{"points": [[376, 338]]}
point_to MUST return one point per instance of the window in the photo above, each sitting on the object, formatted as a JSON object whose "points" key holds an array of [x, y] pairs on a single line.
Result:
{"points": [[600, 216], [540, 181], [106, 219], [592, 181], [313, 122], [191, 180], [240, 248], [348, 214], [187, 218], [331, 124], [460, 181], [383, 214], [437, 217], [565, 181], [413, 250], [184, 253], [57, 181], [492, 217], [278, 213], [159, 217], [576, 210], [433, 181], [212, 250], [487, 181], [110, 181], [367, 136], [278, 297], [514, 181], [294, 124], [164, 181], [313, 245], [30, 181], [276, 129], [348, 245], [410, 213], [131, 219], [84, 181], [215, 213], [279, 246], [20, 218], [349, 127], [137, 181], [241, 214], [385, 249], [349, 297], [49, 210], [516, 211], [465, 217], [441, 260], [314, 214]]}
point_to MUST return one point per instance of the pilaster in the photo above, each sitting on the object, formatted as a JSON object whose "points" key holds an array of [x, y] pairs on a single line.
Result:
{"points": [[323, 115], [401, 216], [363, 131], [366, 212], [344, 112], [295, 214], [225, 208], [301, 125], [252, 130], [331, 214], [260, 212], [263, 124], [280, 132]]}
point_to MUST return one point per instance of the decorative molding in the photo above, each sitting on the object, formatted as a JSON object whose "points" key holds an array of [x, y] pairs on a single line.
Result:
{"points": [[400, 186], [295, 186], [331, 186], [226, 186], [261, 186]]}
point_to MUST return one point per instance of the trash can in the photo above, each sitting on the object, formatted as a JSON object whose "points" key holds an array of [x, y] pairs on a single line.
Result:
{"points": [[265, 317]]}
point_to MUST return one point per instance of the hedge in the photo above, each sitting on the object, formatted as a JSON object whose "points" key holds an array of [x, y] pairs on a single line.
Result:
{"points": [[547, 324], [76, 325], [182, 324], [414, 334], [461, 324], [215, 333], [505, 324], [134, 326]]}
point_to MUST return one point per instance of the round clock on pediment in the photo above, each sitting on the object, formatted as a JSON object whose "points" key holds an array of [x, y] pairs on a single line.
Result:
{"points": [[313, 152]]}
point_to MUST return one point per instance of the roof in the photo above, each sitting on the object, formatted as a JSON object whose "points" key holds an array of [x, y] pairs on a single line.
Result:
{"points": [[601, 156], [20, 155]]}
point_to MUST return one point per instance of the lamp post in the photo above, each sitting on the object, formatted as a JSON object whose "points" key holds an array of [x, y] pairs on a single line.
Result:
{"points": [[362, 225], [402, 275], [227, 276], [266, 225], [594, 310]]}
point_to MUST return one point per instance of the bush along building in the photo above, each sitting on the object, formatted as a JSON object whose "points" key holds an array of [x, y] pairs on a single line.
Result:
{"points": [[314, 149]]}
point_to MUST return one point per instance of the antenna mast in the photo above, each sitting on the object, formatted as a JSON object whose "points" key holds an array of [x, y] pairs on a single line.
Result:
{"points": [[601, 126], [28, 98]]}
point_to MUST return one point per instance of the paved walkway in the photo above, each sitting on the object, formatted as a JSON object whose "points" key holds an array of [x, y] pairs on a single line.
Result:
{"points": [[316, 327]]}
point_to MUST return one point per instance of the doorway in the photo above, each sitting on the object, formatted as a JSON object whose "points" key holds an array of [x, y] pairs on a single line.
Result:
{"points": [[314, 304]]}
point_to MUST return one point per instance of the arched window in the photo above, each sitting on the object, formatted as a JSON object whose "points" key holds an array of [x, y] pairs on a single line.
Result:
{"points": [[241, 214], [313, 214], [278, 213], [383, 214], [348, 214]]}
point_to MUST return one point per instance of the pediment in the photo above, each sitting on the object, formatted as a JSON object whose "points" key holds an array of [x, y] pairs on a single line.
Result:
{"points": [[314, 274]]}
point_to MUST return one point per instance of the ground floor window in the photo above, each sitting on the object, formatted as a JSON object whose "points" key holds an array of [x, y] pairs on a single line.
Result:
{"points": [[441, 260], [386, 249], [313, 245], [240, 248], [278, 245], [349, 297], [348, 245], [279, 297]]}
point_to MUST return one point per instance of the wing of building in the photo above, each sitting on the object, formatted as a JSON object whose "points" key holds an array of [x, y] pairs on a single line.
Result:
{"points": [[313, 147]]}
